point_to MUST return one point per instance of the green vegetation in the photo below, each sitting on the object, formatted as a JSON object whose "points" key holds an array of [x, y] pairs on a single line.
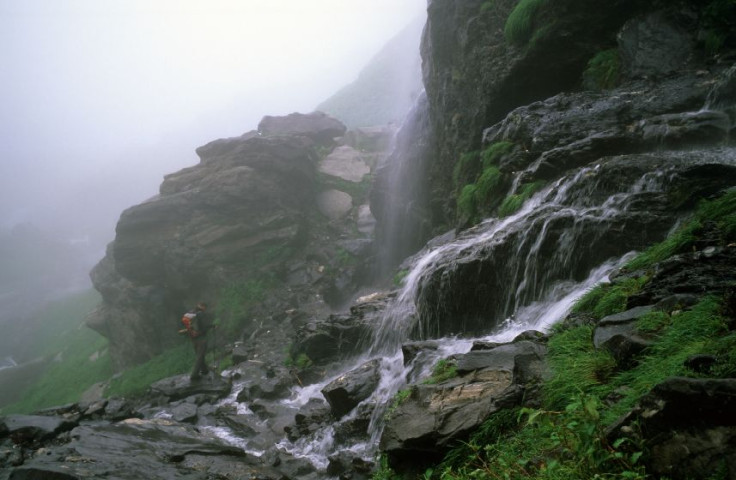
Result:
{"points": [[400, 397], [465, 170], [487, 6], [521, 22], [400, 277], [478, 189], [76, 356], [720, 213], [513, 203], [466, 202], [603, 70], [491, 155], [236, 304], [301, 361], [357, 190], [718, 24], [566, 436], [443, 370], [136, 380]]}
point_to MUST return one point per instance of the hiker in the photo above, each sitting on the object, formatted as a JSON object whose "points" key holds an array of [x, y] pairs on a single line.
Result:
{"points": [[201, 323]]}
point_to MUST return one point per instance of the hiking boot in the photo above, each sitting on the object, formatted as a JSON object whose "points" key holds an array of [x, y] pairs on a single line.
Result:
{"points": [[194, 378]]}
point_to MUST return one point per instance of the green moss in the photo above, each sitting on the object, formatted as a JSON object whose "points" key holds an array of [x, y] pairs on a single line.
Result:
{"points": [[513, 203], [443, 370], [521, 22], [603, 70], [487, 185], [487, 6], [466, 202], [400, 276], [491, 155], [721, 212]]}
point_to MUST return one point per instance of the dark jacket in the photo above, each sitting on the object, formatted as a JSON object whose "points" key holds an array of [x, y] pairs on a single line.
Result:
{"points": [[202, 322]]}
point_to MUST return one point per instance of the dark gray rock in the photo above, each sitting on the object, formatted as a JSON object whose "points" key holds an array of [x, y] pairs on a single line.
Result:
{"points": [[623, 323], [654, 45], [184, 413], [688, 427], [318, 126], [32, 429], [179, 387], [347, 391], [502, 357]]}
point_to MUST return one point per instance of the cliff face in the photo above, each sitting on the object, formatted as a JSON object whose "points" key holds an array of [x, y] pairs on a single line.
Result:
{"points": [[269, 207], [481, 60]]}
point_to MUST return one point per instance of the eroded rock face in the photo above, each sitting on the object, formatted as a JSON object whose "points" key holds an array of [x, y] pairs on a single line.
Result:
{"points": [[245, 211], [423, 426]]}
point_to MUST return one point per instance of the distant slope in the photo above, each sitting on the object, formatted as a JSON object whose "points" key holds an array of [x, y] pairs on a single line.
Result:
{"points": [[386, 88]]}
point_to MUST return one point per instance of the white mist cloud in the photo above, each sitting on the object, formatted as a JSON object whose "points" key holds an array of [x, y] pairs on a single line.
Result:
{"points": [[101, 98]]}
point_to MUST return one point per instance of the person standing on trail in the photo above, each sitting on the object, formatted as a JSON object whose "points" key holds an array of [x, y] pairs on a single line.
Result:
{"points": [[201, 323]]}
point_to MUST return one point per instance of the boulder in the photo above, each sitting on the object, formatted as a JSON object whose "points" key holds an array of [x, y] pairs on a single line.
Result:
{"points": [[688, 426], [32, 429], [318, 126], [180, 386], [654, 45], [347, 391], [156, 449], [618, 324], [346, 163], [334, 204], [425, 425]]}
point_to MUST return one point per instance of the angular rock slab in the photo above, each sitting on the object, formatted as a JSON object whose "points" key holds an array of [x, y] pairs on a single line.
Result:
{"points": [[136, 449], [180, 386], [346, 392]]}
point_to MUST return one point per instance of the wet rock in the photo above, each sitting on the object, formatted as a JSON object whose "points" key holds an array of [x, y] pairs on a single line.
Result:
{"points": [[184, 413], [700, 363], [179, 387], [32, 429], [348, 465], [413, 350], [618, 324], [433, 417], [347, 391], [159, 448], [688, 426], [654, 45], [625, 347], [695, 274], [314, 415], [325, 340], [502, 357]]}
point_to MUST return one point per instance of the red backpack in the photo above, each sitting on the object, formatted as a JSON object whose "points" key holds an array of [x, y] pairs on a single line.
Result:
{"points": [[188, 321]]}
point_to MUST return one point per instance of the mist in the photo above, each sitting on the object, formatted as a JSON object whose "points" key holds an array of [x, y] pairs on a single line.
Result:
{"points": [[102, 99]]}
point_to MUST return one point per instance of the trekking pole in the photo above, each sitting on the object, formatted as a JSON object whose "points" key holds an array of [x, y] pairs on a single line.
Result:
{"points": [[214, 350]]}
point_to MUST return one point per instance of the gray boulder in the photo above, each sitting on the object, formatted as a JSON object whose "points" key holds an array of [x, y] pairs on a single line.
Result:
{"points": [[347, 391], [318, 126]]}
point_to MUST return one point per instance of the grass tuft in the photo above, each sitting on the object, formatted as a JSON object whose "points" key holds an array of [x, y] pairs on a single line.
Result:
{"points": [[520, 24]]}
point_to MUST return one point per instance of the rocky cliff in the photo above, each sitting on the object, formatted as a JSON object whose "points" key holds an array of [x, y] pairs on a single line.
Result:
{"points": [[279, 209]]}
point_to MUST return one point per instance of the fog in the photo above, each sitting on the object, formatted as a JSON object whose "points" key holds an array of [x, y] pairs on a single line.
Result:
{"points": [[101, 99]]}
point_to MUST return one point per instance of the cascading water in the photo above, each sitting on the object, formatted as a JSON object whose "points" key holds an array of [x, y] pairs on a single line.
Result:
{"points": [[534, 300]]}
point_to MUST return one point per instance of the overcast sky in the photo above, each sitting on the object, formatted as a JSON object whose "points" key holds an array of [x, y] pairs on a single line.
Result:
{"points": [[101, 98]]}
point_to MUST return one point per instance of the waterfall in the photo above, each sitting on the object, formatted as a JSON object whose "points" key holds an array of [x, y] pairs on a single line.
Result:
{"points": [[538, 292]]}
